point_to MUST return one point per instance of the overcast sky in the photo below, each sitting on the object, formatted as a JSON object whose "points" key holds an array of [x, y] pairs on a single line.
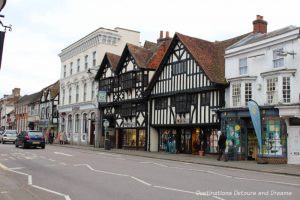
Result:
{"points": [[42, 28]]}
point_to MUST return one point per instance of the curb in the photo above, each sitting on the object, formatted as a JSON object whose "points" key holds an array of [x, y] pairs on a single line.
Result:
{"points": [[178, 160]]}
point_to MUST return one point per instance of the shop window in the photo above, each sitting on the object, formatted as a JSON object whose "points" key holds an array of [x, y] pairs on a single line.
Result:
{"points": [[233, 134], [273, 139], [142, 136], [167, 140], [212, 141], [129, 137]]}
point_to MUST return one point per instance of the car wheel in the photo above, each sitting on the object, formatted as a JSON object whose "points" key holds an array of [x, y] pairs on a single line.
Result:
{"points": [[43, 146], [3, 142], [24, 146], [16, 145]]}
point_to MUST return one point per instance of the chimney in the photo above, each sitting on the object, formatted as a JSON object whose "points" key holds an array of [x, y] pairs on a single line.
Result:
{"points": [[16, 92], [161, 34], [167, 34], [259, 25]]}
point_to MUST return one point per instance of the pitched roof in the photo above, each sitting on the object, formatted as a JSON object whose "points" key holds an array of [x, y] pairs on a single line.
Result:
{"points": [[54, 90], [32, 98], [256, 37], [149, 45], [110, 58]]}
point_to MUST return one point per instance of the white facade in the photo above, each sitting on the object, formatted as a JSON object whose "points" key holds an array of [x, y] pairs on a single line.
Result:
{"points": [[265, 68], [78, 105]]}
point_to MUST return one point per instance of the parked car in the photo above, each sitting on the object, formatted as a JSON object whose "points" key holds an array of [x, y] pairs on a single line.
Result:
{"points": [[31, 138], [8, 136]]}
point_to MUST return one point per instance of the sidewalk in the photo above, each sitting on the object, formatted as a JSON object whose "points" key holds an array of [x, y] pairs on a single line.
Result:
{"points": [[285, 169]]}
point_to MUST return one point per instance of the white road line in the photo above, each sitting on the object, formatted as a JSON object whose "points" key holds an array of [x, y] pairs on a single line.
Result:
{"points": [[265, 181], [141, 181], [67, 197], [120, 158], [61, 153], [62, 163], [105, 172], [3, 192], [109, 154], [51, 160], [51, 165], [154, 163], [16, 168], [216, 197]]}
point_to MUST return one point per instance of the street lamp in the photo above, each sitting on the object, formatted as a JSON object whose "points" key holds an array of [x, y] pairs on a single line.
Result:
{"points": [[2, 4], [2, 33]]}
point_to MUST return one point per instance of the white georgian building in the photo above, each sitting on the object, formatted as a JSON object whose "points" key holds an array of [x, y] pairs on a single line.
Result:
{"points": [[78, 106], [264, 67]]}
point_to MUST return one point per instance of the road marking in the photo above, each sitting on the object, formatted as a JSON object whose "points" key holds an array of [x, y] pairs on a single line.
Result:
{"points": [[141, 181], [51, 160], [62, 163], [173, 189], [3, 192], [154, 163], [51, 165], [120, 158], [16, 168], [105, 172], [265, 181], [64, 154], [216, 197], [67, 197]]}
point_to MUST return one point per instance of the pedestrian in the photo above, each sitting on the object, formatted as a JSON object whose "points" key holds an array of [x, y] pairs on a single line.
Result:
{"points": [[61, 138], [222, 146], [51, 137]]}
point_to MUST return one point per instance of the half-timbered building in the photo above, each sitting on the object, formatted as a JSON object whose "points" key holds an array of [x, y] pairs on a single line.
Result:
{"points": [[125, 85], [184, 92]]}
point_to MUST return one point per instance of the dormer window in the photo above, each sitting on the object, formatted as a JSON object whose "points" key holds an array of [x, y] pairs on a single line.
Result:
{"points": [[278, 60], [243, 68]]}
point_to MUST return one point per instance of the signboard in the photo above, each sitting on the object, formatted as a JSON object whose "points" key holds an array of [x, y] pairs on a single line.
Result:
{"points": [[102, 96]]}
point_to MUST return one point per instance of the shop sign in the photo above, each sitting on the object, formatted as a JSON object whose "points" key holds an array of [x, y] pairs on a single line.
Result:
{"points": [[256, 120], [182, 121], [102, 96]]}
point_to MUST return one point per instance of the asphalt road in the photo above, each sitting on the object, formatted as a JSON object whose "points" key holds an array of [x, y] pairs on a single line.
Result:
{"points": [[62, 173]]}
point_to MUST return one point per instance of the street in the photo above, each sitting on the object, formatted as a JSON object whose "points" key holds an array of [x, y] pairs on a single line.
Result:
{"points": [[62, 173]]}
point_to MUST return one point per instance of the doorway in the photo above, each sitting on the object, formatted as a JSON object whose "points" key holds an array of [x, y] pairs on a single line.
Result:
{"points": [[251, 144], [294, 145], [186, 141], [92, 133]]}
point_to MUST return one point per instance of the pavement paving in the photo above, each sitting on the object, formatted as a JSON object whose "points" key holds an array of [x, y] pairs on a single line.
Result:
{"points": [[284, 169]]}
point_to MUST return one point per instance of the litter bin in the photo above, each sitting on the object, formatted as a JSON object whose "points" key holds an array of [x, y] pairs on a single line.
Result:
{"points": [[107, 144]]}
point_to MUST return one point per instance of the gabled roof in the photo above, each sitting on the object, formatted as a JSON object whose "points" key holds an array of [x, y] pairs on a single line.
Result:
{"points": [[54, 90], [149, 45], [144, 58], [110, 58], [208, 55]]}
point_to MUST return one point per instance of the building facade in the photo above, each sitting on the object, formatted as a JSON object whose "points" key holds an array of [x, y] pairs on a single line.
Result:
{"points": [[49, 109], [78, 106], [264, 67], [27, 112], [7, 107], [183, 94], [125, 79]]}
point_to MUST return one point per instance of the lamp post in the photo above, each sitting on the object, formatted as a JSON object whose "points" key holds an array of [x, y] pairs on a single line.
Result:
{"points": [[106, 125], [2, 33], [2, 4]]}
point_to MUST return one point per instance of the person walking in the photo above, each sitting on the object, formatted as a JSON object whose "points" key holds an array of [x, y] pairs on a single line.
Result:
{"points": [[222, 146], [61, 138]]}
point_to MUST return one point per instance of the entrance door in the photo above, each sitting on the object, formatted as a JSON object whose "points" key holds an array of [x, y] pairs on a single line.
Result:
{"points": [[92, 133], [186, 141], [251, 144], [294, 145]]}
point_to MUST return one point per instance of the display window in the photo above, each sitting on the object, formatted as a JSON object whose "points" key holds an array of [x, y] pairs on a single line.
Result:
{"points": [[129, 137], [142, 137], [233, 134], [168, 140]]}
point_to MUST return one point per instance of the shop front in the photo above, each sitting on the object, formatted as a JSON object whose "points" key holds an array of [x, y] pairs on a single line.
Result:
{"points": [[188, 140], [131, 138], [242, 138]]}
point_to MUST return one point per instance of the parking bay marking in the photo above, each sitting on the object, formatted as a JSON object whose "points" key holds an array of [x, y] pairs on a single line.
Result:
{"points": [[61, 153]]}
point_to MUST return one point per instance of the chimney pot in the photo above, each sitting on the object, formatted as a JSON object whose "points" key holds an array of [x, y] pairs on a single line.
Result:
{"points": [[161, 34]]}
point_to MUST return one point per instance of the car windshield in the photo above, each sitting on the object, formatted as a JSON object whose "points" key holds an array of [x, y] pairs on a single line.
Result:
{"points": [[35, 134], [11, 132]]}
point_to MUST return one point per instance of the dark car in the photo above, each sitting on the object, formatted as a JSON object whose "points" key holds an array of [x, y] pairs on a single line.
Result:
{"points": [[31, 138]]}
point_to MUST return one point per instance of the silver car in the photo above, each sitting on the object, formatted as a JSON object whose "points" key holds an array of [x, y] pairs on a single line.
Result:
{"points": [[8, 136]]}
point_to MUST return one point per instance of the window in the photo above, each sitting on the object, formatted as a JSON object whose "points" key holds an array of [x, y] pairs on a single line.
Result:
{"points": [[65, 71], [179, 68], [108, 39], [277, 58], [70, 95], [77, 93], [205, 99], [85, 123], [93, 90], [105, 84], [94, 58], [63, 96], [78, 65], [248, 92], [183, 104], [43, 113], [77, 123], [62, 125], [128, 110], [272, 84], [114, 40], [71, 68], [243, 66], [47, 112], [104, 39], [129, 139], [84, 92], [70, 124], [127, 81], [286, 89], [86, 64], [161, 103], [236, 94]]}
